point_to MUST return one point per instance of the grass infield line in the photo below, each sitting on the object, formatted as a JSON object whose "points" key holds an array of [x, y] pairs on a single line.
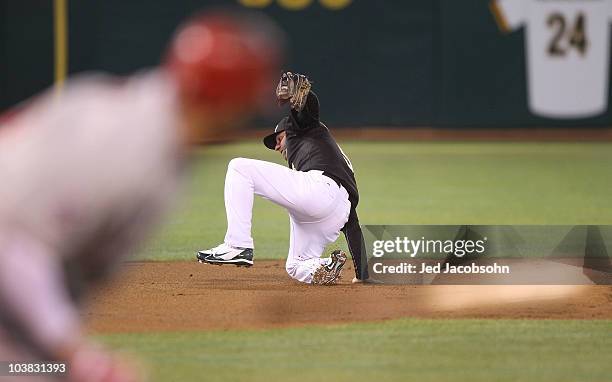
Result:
{"points": [[399, 350]]}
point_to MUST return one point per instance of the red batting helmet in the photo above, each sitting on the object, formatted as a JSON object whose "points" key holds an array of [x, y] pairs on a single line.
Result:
{"points": [[225, 60]]}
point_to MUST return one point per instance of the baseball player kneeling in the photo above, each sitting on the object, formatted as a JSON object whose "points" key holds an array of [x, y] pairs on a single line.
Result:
{"points": [[318, 190]]}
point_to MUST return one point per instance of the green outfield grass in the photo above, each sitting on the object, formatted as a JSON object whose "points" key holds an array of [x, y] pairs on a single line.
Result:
{"points": [[400, 183], [402, 350], [411, 183]]}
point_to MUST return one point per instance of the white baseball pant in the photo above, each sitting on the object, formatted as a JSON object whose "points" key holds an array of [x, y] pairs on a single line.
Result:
{"points": [[318, 209]]}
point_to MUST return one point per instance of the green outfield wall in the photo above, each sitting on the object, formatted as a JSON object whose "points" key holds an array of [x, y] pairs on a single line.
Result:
{"points": [[440, 63]]}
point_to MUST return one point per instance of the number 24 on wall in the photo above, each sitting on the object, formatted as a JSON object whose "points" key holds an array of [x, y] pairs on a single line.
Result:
{"points": [[576, 36], [296, 5]]}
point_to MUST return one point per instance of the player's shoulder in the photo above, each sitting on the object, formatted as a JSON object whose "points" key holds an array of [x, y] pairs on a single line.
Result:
{"points": [[93, 86], [323, 131], [87, 86]]}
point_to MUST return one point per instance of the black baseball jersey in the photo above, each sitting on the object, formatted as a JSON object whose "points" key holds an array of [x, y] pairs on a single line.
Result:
{"points": [[310, 146]]}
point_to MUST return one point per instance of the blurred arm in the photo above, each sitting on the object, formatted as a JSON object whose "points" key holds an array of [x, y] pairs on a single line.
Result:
{"points": [[34, 300]]}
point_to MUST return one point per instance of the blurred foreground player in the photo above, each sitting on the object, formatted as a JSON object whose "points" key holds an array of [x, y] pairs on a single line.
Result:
{"points": [[86, 174]]}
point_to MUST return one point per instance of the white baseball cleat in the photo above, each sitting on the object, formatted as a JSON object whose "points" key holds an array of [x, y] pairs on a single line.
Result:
{"points": [[225, 254]]}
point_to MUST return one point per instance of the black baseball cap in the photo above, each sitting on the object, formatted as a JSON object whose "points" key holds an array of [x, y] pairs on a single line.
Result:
{"points": [[270, 140]]}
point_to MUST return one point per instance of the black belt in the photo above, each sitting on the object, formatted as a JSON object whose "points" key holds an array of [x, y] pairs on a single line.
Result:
{"points": [[333, 177]]}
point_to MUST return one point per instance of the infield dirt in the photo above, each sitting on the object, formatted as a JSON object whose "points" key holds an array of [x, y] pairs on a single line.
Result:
{"points": [[174, 296]]}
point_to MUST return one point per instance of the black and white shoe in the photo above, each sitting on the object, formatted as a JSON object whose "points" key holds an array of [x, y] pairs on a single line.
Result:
{"points": [[225, 254]]}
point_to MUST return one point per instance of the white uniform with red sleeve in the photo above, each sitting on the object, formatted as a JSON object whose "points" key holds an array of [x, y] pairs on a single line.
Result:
{"points": [[83, 177]]}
